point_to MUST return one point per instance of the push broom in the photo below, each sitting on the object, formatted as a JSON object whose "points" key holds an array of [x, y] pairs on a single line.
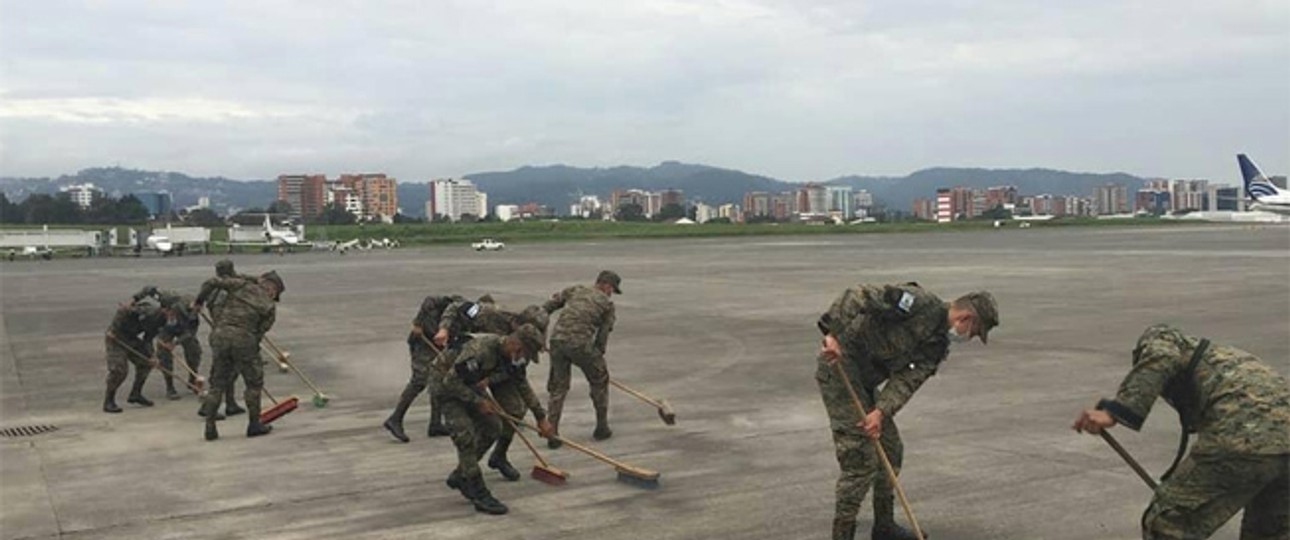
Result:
{"points": [[664, 410], [542, 471], [320, 399], [1124, 454], [627, 473], [279, 409], [198, 380], [882, 454]]}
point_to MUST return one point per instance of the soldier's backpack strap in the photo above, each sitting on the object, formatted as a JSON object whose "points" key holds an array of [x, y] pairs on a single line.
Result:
{"points": [[1185, 437]]}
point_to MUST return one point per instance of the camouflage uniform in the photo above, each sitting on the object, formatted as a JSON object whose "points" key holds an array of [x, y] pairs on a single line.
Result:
{"points": [[893, 334], [422, 354], [183, 332], [579, 338], [1239, 408], [484, 317], [214, 304], [129, 335], [482, 360], [247, 314]]}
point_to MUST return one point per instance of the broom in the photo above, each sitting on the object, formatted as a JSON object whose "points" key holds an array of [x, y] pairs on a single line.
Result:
{"points": [[1124, 454], [198, 380], [320, 399], [542, 471], [664, 410], [278, 410], [882, 454], [157, 365], [627, 473]]}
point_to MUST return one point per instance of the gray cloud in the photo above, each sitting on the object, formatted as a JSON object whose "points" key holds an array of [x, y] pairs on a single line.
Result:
{"points": [[794, 89]]}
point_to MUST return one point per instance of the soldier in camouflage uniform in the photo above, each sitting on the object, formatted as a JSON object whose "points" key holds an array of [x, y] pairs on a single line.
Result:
{"points": [[427, 317], [224, 268], [129, 335], [580, 338], [183, 333], [247, 314], [897, 334], [1238, 407], [484, 317], [485, 359]]}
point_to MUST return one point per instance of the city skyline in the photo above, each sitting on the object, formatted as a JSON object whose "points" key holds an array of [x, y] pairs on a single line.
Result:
{"points": [[792, 90]]}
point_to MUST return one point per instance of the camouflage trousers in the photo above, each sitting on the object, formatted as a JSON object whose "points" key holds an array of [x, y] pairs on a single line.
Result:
{"points": [[192, 356], [235, 352], [1207, 490], [119, 359], [592, 364], [473, 432], [423, 371], [508, 396], [857, 457]]}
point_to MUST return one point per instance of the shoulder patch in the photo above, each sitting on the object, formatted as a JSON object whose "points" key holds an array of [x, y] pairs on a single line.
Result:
{"points": [[473, 311], [906, 302]]}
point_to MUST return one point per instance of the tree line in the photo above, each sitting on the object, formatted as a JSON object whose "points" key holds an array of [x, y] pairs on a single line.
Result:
{"points": [[43, 208]]}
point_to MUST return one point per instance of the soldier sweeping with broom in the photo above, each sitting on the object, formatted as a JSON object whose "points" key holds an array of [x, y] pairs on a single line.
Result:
{"points": [[471, 414], [129, 341], [423, 354], [1238, 407], [247, 314], [897, 334]]}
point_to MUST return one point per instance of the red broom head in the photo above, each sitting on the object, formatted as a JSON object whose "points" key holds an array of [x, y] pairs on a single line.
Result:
{"points": [[278, 411]]}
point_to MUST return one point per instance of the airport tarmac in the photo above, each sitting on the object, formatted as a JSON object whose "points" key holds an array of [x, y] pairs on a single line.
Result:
{"points": [[722, 328]]}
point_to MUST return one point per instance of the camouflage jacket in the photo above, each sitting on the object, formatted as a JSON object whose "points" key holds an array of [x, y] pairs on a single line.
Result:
{"points": [[467, 317], [427, 320], [588, 316], [482, 359], [889, 333], [247, 306], [1234, 402], [218, 297], [187, 320], [137, 324]]}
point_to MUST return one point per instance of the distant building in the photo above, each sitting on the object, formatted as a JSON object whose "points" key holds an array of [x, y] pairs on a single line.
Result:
{"points": [[671, 196], [757, 205], [783, 206], [586, 207], [83, 194], [454, 198], [704, 213], [1000, 196], [158, 203], [1112, 199], [924, 208], [203, 202], [812, 199], [841, 201], [377, 193], [730, 211], [306, 194], [1189, 195], [506, 212], [1230, 198], [944, 205]]}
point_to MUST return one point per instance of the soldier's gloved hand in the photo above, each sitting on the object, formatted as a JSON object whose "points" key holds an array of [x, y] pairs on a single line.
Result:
{"points": [[872, 424], [1093, 421], [830, 349], [545, 428], [486, 407], [441, 338]]}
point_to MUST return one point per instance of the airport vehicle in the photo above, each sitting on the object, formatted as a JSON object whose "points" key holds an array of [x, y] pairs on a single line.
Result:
{"points": [[1267, 196], [488, 244]]}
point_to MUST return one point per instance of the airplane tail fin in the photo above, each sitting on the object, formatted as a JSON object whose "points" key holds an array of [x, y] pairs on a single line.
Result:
{"points": [[1256, 185]]}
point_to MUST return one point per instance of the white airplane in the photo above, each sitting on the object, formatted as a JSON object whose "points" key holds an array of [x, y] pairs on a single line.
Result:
{"points": [[279, 237], [160, 244], [1266, 195], [342, 247]]}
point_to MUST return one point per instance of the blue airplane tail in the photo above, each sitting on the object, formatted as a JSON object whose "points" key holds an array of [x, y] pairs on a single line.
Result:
{"points": [[1256, 185]]}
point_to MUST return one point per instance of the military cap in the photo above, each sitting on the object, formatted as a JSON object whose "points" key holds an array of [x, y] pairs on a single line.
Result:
{"points": [[610, 277], [531, 338], [535, 316], [486, 299], [272, 276], [224, 268], [987, 312]]}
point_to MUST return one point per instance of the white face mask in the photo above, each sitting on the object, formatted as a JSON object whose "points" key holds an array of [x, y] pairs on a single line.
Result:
{"points": [[956, 337]]}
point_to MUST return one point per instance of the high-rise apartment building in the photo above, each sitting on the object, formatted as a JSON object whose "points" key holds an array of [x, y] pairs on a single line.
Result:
{"points": [[454, 198], [306, 194]]}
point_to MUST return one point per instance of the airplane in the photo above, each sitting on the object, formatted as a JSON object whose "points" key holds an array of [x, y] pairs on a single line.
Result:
{"points": [[342, 247], [267, 237], [279, 237], [1267, 197]]}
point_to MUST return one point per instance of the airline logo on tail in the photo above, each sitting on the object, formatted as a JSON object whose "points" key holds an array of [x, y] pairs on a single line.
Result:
{"points": [[1266, 195]]}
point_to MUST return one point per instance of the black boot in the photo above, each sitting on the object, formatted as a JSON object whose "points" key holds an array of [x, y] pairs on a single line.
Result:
{"points": [[136, 391], [454, 480], [892, 531], [109, 402], [602, 431], [231, 409], [255, 428], [844, 530], [212, 432], [499, 462], [482, 498], [394, 424], [554, 443]]}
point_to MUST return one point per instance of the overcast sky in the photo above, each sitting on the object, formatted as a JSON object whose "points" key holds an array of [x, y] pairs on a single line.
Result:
{"points": [[795, 89]]}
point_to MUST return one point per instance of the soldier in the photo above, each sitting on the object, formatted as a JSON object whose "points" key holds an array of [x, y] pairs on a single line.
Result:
{"points": [[579, 338], [247, 314], [224, 268], [428, 316], [484, 317], [485, 359], [896, 334], [1240, 410], [129, 336]]}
